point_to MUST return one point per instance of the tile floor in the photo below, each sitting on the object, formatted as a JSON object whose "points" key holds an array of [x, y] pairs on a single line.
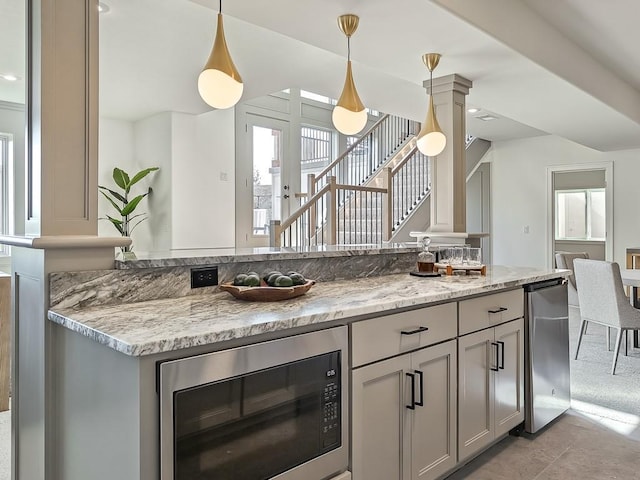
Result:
{"points": [[575, 446]]}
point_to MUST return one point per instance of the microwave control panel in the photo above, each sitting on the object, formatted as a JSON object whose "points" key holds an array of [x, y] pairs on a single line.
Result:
{"points": [[330, 430]]}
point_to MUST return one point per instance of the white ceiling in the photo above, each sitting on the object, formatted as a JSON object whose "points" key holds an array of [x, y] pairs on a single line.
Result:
{"points": [[566, 67]]}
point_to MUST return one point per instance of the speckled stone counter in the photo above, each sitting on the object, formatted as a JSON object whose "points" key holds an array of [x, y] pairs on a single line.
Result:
{"points": [[161, 277], [164, 325], [221, 256]]}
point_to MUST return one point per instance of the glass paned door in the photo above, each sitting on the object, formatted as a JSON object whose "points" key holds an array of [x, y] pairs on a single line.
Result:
{"points": [[267, 180], [263, 177]]}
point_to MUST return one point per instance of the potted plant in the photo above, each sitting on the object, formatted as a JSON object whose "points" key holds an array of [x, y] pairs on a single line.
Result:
{"points": [[124, 205]]}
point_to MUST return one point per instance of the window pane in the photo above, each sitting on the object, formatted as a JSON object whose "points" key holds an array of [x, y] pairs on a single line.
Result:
{"points": [[267, 149], [3, 190], [316, 154], [6, 191], [571, 215], [598, 224], [316, 97]]}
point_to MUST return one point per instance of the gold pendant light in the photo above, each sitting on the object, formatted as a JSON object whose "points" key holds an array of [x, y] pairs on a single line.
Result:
{"points": [[349, 115], [431, 141], [219, 83]]}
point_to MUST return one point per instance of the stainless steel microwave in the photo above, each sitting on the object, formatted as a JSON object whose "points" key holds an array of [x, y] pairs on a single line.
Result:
{"points": [[271, 410]]}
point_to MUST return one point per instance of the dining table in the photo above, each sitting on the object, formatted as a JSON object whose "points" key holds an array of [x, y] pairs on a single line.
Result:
{"points": [[631, 278]]}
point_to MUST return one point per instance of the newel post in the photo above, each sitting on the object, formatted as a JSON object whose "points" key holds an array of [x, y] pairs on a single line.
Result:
{"points": [[275, 235], [311, 191], [387, 204], [332, 211]]}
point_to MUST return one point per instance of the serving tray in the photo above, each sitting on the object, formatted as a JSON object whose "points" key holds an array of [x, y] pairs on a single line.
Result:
{"points": [[467, 268], [266, 293]]}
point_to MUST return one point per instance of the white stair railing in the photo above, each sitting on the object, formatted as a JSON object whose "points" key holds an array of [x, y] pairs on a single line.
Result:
{"points": [[328, 219]]}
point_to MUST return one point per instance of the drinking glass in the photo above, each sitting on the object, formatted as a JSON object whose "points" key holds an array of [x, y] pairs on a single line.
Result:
{"points": [[475, 256], [444, 256], [465, 255], [456, 256]]}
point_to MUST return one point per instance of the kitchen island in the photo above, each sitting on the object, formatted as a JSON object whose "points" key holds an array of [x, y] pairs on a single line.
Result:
{"points": [[108, 363], [164, 325]]}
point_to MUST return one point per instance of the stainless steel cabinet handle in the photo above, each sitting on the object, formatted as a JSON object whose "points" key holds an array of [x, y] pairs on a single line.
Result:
{"points": [[497, 348], [501, 309], [421, 388], [413, 332], [413, 391], [552, 318], [501, 348]]}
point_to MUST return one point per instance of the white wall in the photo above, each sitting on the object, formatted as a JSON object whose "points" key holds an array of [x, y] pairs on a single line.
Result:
{"points": [[595, 250], [115, 150], [133, 147], [203, 188], [153, 148], [192, 205], [519, 189]]}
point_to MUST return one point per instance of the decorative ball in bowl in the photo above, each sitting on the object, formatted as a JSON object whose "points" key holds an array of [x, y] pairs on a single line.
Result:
{"points": [[273, 286]]}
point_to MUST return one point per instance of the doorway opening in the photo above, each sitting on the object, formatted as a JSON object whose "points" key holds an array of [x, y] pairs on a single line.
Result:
{"points": [[580, 213]]}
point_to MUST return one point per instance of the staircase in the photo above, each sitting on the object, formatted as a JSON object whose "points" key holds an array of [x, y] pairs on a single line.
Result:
{"points": [[371, 193]]}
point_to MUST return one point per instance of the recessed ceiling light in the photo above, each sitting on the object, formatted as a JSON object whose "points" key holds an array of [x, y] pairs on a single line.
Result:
{"points": [[486, 118], [103, 7], [473, 110], [9, 77]]}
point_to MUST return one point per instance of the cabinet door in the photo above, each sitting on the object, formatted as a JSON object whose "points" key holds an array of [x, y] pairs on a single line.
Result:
{"points": [[476, 358], [378, 415], [433, 424], [509, 379]]}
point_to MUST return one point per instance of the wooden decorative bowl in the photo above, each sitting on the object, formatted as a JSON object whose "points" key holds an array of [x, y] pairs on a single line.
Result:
{"points": [[265, 293]]}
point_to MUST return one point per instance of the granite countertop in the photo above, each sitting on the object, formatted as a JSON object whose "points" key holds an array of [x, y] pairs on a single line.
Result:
{"points": [[181, 258], [156, 326]]}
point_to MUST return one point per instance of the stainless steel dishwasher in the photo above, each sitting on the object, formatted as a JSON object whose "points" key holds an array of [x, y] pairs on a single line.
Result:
{"points": [[547, 379]]}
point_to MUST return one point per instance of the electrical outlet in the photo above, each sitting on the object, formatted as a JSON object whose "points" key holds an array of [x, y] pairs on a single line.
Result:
{"points": [[204, 277]]}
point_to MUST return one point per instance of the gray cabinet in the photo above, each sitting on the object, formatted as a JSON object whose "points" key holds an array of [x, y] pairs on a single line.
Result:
{"points": [[491, 385], [404, 416]]}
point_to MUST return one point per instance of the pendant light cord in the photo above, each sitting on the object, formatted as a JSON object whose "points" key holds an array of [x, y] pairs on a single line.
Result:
{"points": [[220, 7]]}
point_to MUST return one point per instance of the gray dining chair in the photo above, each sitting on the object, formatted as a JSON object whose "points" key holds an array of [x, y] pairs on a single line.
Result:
{"points": [[565, 260], [602, 300]]}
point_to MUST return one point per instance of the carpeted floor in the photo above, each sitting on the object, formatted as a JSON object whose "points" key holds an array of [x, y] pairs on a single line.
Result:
{"points": [[5, 445], [591, 380]]}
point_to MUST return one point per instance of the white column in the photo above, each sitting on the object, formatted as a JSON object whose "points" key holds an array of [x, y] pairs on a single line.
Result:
{"points": [[448, 170], [61, 213]]}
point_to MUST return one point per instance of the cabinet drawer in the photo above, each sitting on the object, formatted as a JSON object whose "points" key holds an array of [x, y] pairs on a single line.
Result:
{"points": [[382, 337], [490, 310]]}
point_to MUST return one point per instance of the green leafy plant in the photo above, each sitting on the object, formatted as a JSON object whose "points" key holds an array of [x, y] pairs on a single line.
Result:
{"points": [[125, 206]]}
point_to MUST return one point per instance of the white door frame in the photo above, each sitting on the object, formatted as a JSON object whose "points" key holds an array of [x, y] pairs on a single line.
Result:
{"points": [[608, 178], [244, 176]]}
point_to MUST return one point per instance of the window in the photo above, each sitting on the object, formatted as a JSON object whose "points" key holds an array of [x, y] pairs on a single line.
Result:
{"points": [[6, 183], [317, 152], [316, 146], [580, 214], [331, 101], [317, 98]]}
